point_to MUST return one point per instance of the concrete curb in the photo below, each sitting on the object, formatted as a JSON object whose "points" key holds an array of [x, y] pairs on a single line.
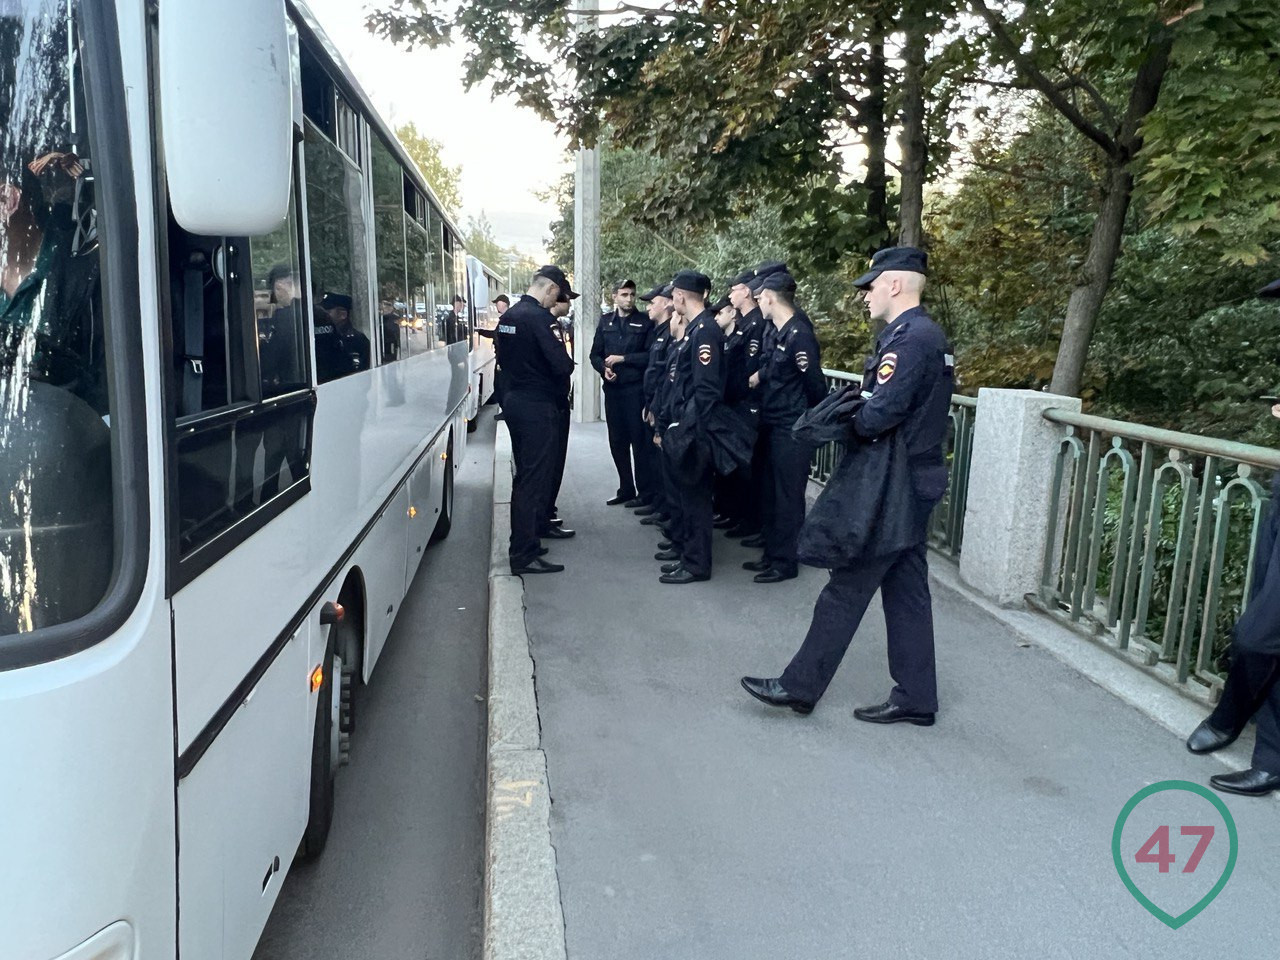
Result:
{"points": [[523, 916]]}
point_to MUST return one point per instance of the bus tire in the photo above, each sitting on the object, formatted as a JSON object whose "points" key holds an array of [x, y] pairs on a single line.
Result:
{"points": [[474, 422], [445, 523], [323, 767]]}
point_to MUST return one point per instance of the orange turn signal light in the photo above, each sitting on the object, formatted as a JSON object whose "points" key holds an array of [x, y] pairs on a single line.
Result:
{"points": [[317, 678], [413, 512]]}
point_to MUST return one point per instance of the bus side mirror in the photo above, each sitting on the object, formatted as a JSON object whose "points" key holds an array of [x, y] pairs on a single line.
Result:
{"points": [[226, 103]]}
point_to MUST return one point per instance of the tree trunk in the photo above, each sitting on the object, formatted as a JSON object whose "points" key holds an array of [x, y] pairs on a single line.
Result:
{"points": [[914, 147], [875, 138], [1095, 277]]}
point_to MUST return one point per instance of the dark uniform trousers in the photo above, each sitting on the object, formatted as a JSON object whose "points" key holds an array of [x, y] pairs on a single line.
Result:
{"points": [[1251, 690], [674, 527], [785, 479], [629, 434], [533, 422], [560, 450], [696, 511], [903, 581]]}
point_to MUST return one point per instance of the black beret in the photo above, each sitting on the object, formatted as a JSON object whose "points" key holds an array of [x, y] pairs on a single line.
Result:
{"points": [[742, 279]]}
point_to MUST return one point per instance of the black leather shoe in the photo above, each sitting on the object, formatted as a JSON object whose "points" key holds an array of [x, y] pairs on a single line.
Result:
{"points": [[646, 511], [775, 575], [772, 692], [671, 567], [754, 543], [757, 566], [635, 502], [1206, 739], [666, 544], [542, 552], [620, 500], [558, 533], [536, 565], [892, 713], [682, 575], [740, 531], [667, 555], [1248, 783], [555, 522], [654, 519]]}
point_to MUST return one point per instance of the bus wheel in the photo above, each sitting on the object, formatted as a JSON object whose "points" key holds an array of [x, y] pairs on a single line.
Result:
{"points": [[445, 523], [326, 753]]}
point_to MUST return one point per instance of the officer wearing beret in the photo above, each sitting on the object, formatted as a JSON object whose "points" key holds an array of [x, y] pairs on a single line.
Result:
{"points": [[695, 387], [791, 382], [660, 313], [1251, 691], [340, 348], [620, 354], [907, 386], [536, 368]]}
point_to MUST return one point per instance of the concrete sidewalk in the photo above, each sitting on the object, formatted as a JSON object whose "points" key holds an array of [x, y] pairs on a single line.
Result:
{"points": [[692, 823]]}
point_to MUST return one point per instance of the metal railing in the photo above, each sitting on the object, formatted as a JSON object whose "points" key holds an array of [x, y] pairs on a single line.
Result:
{"points": [[1151, 537], [946, 527]]}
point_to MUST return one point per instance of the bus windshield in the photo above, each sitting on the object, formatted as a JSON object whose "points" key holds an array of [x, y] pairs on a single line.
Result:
{"points": [[57, 533]]}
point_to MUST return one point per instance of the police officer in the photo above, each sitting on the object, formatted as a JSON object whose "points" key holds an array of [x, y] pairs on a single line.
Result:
{"points": [[552, 526], [660, 313], [695, 387], [908, 388], [791, 382], [620, 355], [535, 366], [340, 348], [1251, 691]]}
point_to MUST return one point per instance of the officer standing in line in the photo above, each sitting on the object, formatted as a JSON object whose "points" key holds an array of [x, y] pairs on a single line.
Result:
{"points": [[671, 522], [745, 486], [790, 383], [553, 527], [660, 338], [535, 366], [1251, 690], [697, 387], [908, 387], [620, 355], [731, 489]]}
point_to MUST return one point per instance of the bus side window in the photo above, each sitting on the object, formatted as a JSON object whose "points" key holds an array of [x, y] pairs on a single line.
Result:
{"points": [[242, 384]]}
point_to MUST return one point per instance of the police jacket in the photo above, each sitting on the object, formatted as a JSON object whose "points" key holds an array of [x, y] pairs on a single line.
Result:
{"points": [[791, 378], [1258, 629], [736, 368], [532, 357], [340, 350], [628, 337], [753, 327], [656, 368], [695, 371], [908, 384]]}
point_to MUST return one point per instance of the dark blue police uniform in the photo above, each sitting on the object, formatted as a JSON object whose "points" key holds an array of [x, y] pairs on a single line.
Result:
{"points": [[654, 373], [791, 382], [536, 369], [695, 385], [908, 385], [626, 335]]}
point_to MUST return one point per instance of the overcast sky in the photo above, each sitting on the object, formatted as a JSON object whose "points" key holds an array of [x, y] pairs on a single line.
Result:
{"points": [[426, 87]]}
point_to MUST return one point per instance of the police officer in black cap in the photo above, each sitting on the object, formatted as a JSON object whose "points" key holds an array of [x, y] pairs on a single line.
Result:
{"points": [[791, 382], [536, 368], [1251, 690], [620, 354], [340, 348], [660, 313], [552, 526], [908, 385], [696, 386]]}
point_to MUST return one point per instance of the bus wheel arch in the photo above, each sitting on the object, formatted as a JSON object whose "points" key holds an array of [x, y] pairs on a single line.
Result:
{"points": [[444, 523]]}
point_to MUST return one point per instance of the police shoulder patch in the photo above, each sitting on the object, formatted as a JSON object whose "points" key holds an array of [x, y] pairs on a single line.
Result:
{"points": [[802, 360], [885, 369], [704, 354], [753, 347]]}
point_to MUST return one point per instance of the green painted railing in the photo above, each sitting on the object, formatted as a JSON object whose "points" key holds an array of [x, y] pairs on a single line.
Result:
{"points": [[946, 529], [1151, 540]]}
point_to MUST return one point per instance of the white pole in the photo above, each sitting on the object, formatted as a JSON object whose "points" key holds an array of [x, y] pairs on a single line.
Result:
{"points": [[586, 266]]}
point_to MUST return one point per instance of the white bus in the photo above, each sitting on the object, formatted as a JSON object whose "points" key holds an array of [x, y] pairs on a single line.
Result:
{"points": [[229, 426]]}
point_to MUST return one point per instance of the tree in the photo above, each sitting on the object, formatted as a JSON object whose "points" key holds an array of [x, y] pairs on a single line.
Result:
{"points": [[445, 180], [480, 242]]}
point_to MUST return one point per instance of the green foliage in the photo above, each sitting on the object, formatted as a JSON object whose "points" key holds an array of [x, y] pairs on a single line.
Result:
{"points": [[445, 180]]}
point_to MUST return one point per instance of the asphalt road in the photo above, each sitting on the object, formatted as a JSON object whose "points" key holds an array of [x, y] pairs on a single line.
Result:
{"points": [[692, 823], [402, 875]]}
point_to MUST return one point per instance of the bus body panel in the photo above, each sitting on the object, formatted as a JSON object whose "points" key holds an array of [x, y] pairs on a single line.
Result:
{"points": [[242, 811], [381, 558]]}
